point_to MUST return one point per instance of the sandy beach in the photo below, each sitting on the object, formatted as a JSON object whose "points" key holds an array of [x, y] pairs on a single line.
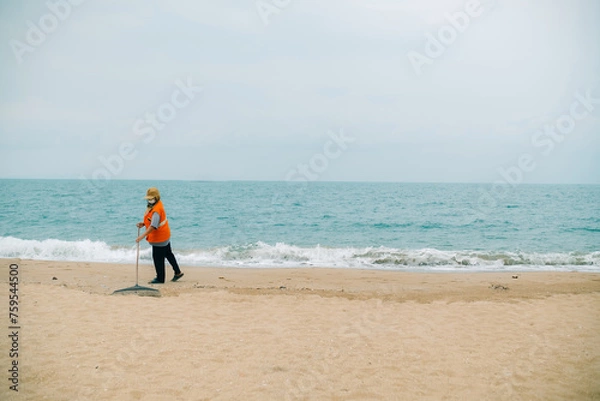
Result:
{"points": [[302, 334]]}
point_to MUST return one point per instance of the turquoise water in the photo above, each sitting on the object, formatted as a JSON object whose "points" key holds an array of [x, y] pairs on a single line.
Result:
{"points": [[366, 225]]}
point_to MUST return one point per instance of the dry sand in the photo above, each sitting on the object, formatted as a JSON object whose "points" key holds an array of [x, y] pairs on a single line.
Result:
{"points": [[302, 334]]}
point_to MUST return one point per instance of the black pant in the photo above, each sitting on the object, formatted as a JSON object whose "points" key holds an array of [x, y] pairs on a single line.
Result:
{"points": [[159, 253]]}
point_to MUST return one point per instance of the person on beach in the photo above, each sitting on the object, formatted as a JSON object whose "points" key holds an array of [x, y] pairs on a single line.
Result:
{"points": [[158, 234]]}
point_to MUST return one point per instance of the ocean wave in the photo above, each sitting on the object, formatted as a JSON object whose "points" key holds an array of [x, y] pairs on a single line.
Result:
{"points": [[80, 251], [261, 254]]}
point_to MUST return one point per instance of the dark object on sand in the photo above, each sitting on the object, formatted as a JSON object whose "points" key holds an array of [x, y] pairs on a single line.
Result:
{"points": [[498, 287]]}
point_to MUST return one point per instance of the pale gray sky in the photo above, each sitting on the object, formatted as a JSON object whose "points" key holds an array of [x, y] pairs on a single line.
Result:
{"points": [[428, 90]]}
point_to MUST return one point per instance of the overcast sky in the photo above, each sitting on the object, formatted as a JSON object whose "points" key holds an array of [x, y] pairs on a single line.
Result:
{"points": [[413, 90]]}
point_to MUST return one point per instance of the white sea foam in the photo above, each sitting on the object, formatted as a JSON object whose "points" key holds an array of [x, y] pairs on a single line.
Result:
{"points": [[54, 249], [284, 255]]}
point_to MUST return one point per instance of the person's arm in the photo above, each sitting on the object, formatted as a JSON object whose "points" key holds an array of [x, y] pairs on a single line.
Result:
{"points": [[144, 235], [153, 225]]}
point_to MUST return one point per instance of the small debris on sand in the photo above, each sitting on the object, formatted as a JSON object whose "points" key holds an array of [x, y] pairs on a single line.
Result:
{"points": [[498, 287]]}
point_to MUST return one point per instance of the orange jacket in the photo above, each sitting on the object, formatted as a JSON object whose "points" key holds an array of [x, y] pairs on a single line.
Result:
{"points": [[163, 232]]}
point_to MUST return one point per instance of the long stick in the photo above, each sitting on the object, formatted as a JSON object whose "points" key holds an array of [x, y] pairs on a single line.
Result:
{"points": [[136, 288], [137, 259]]}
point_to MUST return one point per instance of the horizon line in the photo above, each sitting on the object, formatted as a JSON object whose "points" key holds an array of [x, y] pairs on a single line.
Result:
{"points": [[303, 182]]}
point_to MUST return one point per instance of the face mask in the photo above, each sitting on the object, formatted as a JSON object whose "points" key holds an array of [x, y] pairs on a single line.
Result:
{"points": [[151, 202]]}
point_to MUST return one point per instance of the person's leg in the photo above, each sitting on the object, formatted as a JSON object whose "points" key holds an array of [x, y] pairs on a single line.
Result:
{"points": [[171, 258], [158, 255]]}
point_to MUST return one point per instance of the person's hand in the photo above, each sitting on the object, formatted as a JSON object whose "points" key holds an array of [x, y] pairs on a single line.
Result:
{"points": [[140, 225], [138, 239]]}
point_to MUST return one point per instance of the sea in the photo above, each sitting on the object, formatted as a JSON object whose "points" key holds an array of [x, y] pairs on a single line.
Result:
{"points": [[391, 226]]}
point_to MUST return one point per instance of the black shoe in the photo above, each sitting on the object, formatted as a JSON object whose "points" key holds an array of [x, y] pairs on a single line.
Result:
{"points": [[177, 276], [155, 281]]}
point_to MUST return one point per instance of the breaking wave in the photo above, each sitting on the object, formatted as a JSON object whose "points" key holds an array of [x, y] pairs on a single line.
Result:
{"points": [[261, 254]]}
